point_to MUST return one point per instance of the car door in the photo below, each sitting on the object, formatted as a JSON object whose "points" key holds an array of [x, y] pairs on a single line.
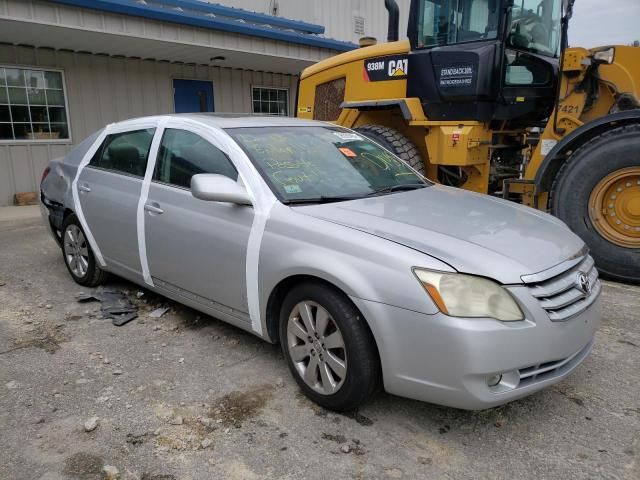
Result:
{"points": [[109, 189], [195, 248]]}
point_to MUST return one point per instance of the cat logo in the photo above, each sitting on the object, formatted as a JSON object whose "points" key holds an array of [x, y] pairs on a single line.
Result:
{"points": [[390, 67], [398, 68]]}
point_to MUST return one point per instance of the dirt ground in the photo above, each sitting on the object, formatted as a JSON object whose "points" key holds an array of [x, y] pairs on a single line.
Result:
{"points": [[186, 396]]}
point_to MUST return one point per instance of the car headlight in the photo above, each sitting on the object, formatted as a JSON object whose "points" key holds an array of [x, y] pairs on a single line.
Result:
{"points": [[461, 295]]}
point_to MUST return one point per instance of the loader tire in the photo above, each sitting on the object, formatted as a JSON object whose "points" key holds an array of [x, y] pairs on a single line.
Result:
{"points": [[395, 142], [597, 194]]}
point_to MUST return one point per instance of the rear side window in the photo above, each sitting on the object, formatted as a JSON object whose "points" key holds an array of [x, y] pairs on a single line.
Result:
{"points": [[184, 154], [125, 152]]}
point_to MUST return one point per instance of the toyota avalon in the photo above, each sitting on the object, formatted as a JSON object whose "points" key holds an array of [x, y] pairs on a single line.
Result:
{"points": [[314, 237]]}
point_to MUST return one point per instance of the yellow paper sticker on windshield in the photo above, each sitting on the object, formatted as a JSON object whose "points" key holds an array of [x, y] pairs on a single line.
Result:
{"points": [[347, 152]]}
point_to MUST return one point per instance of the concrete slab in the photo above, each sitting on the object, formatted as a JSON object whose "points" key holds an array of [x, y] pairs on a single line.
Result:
{"points": [[16, 214]]}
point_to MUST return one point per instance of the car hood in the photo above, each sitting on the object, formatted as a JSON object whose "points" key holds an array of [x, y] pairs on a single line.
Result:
{"points": [[473, 233]]}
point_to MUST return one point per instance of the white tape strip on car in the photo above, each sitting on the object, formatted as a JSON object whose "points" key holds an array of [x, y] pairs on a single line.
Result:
{"points": [[252, 263], [144, 195], [77, 207], [263, 201]]}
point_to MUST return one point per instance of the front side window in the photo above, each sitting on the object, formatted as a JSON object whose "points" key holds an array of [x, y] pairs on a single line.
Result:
{"points": [[125, 152], [535, 26], [32, 105], [323, 163], [270, 101], [184, 154], [448, 22]]}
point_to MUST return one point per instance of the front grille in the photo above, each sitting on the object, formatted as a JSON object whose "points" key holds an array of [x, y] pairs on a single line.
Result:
{"points": [[562, 296], [544, 371]]}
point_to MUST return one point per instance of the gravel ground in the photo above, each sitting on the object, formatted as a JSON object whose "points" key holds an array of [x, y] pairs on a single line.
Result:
{"points": [[186, 396]]}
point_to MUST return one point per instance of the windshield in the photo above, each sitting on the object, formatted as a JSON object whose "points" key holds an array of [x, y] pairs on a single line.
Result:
{"points": [[446, 22], [309, 164], [535, 26]]}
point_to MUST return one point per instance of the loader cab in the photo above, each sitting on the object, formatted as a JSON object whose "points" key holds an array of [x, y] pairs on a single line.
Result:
{"points": [[485, 59]]}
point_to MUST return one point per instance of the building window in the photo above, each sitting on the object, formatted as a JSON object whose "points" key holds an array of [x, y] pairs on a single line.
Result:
{"points": [[272, 101], [32, 105]]}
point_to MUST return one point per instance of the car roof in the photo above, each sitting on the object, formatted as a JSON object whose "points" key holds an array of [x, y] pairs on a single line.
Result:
{"points": [[234, 120]]}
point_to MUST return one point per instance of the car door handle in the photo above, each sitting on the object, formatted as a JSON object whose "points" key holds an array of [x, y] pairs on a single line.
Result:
{"points": [[84, 188], [153, 208]]}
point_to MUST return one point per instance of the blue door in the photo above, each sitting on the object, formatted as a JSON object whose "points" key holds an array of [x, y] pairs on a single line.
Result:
{"points": [[191, 96]]}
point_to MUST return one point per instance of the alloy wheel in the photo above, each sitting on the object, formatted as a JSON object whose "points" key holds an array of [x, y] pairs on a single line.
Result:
{"points": [[316, 347], [76, 252]]}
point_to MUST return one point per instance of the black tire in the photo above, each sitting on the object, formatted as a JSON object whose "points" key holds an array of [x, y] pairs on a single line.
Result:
{"points": [[94, 275], [396, 142], [363, 364], [611, 151]]}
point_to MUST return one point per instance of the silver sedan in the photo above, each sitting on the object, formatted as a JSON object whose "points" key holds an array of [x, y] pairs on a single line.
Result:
{"points": [[313, 236]]}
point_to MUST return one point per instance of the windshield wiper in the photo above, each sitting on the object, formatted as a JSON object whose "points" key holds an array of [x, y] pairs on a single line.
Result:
{"points": [[344, 198], [321, 199], [397, 188]]}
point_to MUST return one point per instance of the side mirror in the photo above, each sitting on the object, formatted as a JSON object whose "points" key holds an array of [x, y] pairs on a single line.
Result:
{"points": [[218, 188]]}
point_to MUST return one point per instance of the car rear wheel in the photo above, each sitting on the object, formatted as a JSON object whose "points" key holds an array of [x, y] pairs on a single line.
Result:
{"points": [[78, 256], [329, 349]]}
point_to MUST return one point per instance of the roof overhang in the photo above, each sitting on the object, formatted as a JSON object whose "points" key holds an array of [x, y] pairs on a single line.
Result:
{"points": [[217, 17], [56, 26], [98, 43]]}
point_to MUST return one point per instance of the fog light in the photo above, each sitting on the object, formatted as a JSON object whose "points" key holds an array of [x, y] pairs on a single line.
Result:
{"points": [[494, 380]]}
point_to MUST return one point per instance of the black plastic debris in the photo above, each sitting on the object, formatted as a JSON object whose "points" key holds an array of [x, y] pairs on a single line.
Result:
{"points": [[115, 304]]}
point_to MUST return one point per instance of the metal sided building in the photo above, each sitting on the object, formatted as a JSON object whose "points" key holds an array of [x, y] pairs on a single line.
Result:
{"points": [[69, 67]]}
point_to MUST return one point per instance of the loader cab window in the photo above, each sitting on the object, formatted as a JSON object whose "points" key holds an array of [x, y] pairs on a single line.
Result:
{"points": [[535, 26], [524, 69], [449, 22]]}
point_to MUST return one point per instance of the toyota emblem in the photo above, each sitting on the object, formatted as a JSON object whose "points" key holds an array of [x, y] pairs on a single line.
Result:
{"points": [[582, 283]]}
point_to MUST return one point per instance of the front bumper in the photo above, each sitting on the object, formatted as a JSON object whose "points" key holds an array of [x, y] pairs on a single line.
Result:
{"points": [[449, 361]]}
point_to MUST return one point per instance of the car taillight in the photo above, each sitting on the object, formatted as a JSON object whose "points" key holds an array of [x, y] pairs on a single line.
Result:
{"points": [[44, 174]]}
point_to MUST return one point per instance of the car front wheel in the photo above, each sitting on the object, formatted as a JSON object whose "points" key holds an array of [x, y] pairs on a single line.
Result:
{"points": [[329, 348]]}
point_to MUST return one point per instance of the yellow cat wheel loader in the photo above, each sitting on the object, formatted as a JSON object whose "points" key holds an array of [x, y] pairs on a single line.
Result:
{"points": [[485, 95]]}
